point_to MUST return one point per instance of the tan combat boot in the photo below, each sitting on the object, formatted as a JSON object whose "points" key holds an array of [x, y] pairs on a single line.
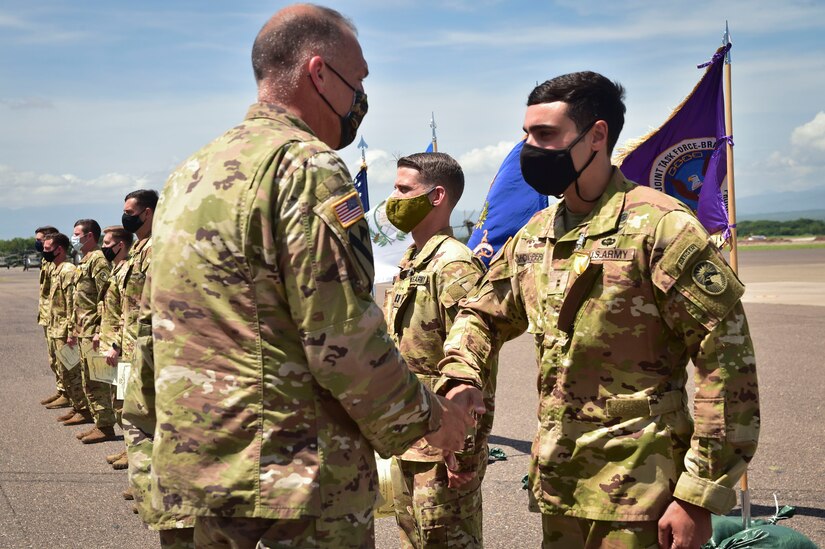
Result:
{"points": [[111, 458], [49, 400], [79, 418], [59, 402], [99, 434], [68, 415], [121, 464], [82, 434], [127, 494]]}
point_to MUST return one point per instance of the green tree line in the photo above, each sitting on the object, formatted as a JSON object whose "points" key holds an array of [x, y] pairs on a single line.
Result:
{"points": [[17, 246], [797, 227]]}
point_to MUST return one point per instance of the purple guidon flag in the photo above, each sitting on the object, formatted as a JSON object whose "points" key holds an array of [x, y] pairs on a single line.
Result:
{"points": [[686, 157]]}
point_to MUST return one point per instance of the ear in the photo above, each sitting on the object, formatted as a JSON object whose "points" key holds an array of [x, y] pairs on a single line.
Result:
{"points": [[315, 66], [440, 196], [599, 136]]}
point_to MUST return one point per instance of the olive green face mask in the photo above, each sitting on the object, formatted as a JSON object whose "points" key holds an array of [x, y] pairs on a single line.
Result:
{"points": [[406, 213]]}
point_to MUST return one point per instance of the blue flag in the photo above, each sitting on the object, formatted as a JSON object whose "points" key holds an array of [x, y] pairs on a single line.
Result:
{"points": [[360, 183], [687, 157], [510, 203], [429, 147]]}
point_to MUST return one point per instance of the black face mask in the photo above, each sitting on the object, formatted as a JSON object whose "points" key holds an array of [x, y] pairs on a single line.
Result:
{"points": [[551, 171], [132, 222], [49, 256], [109, 253], [38, 245], [352, 120]]}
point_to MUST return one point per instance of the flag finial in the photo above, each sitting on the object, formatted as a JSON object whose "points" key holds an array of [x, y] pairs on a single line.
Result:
{"points": [[363, 146], [726, 41]]}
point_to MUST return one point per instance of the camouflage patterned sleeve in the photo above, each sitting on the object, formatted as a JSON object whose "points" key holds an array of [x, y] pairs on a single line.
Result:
{"points": [[67, 281], [326, 261], [492, 314], [699, 298], [455, 280], [100, 273]]}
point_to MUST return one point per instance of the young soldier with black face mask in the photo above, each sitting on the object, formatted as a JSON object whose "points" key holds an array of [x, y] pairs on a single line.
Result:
{"points": [[621, 287]]}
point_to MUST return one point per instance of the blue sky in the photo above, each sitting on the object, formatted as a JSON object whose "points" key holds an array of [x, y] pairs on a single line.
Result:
{"points": [[98, 98]]}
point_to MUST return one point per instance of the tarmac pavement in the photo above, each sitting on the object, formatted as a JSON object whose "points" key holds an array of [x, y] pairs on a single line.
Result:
{"points": [[57, 492]]}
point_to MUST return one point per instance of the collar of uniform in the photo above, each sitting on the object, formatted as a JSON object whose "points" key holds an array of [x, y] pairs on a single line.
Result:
{"points": [[603, 218], [413, 260], [273, 111], [90, 255]]}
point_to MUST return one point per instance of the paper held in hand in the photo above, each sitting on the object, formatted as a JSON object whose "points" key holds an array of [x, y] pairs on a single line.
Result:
{"points": [[99, 369], [123, 369], [69, 356]]}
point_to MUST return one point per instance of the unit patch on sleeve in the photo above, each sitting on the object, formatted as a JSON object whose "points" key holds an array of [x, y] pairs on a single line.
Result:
{"points": [[708, 277]]}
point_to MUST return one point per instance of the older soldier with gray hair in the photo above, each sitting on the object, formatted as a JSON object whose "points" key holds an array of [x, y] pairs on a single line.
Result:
{"points": [[275, 377]]}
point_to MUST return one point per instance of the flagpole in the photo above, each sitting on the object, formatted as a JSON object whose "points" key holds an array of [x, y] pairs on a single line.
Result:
{"points": [[432, 125], [734, 248]]}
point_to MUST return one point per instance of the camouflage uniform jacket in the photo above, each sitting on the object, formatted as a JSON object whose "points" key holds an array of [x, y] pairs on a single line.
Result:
{"points": [[420, 308], [275, 377], [90, 279], [43, 316], [618, 306], [140, 422], [111, 309], [131, 288], [61, 300]]}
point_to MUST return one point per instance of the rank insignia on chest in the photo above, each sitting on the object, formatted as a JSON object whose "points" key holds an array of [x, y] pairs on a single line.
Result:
{"points": [[348, 210]]}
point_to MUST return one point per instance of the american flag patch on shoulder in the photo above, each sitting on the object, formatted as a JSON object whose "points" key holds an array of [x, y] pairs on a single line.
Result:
{"points": [[348, 210]]}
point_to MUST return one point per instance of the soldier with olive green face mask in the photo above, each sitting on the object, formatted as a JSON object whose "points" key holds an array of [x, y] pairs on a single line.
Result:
{"points": [[435, 502]]}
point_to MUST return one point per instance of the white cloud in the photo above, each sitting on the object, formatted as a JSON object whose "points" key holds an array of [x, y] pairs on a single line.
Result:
{"points": [[19, 189], [27, 103], [485, 160], [810, 135]]}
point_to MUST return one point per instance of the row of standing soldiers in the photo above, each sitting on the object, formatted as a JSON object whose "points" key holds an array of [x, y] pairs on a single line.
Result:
{"points": [[92, 305]]}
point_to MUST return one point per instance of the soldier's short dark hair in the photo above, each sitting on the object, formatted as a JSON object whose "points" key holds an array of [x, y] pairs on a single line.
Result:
{"points": [[145, 198], [59, 239], [46, 229], [119, 234], [437, 169], [283, 45], [589, 97], [89, 226]]}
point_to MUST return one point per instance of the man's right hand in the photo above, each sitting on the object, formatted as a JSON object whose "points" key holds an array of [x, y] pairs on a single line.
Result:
{"points": [[71, 341], [455, 421], [111, 357]]}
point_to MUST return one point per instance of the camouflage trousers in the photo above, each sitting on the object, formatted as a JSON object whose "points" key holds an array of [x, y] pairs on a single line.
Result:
{"points": [[560, 532], [54, 363], [429, 513], [177, 538], [71, 380], [98, 395], [354, 530]]}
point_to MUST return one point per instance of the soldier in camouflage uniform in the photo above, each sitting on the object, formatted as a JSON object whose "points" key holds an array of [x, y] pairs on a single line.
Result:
{"points": [[91, 276], [57, 400], [275, 376], [56, 249], [620, 286], [116, 245], [434, 506], [176, 531]]}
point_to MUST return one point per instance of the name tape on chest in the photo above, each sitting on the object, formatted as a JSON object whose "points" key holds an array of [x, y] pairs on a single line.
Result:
{"points": [[612, 254], [532, 257]]}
